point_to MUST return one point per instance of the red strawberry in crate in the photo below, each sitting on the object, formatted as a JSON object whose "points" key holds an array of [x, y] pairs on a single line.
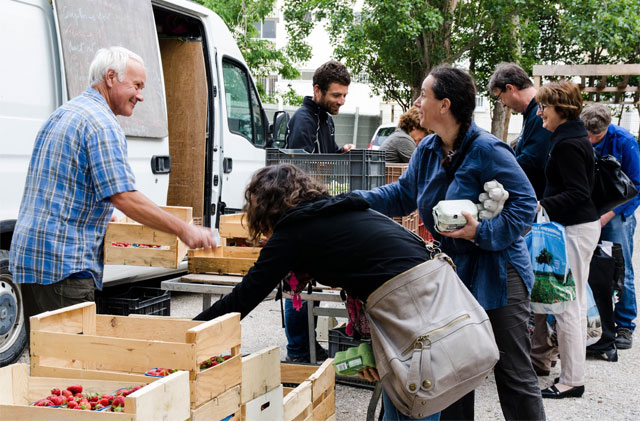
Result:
{"points": [[40, 403], [72, 404], [55, 391], [99, 406], [49, 403], [108, 397], [104, 402], [57, 400], [67, 393], [118, 401], [75, 389]]}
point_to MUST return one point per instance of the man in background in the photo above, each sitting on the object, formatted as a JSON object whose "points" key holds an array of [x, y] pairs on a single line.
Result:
{"points": [[619, 225], [311, 128]]}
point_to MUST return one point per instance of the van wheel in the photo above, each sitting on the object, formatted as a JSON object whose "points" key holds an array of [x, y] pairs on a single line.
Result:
{"points": [[13, 333]]}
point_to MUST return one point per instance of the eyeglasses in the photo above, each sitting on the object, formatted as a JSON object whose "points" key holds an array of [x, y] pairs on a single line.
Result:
{"points": [[541, 107], [499, 95]]}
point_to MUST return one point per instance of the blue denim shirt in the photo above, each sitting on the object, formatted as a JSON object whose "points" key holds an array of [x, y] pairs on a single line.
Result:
{"points": [[620, 143], [482, 265]]}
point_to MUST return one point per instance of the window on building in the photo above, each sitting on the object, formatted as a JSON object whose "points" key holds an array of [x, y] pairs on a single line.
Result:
{"points": [[267, 28]]}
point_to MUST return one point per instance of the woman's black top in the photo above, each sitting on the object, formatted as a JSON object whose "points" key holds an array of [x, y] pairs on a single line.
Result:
{"points": [[338, 241], [570, 176]]}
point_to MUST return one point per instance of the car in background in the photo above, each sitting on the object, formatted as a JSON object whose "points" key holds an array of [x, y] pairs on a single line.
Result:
{"points": [[381, 133]]}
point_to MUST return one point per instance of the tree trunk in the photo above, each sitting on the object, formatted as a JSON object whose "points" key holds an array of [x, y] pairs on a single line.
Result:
{"points": [[498, 116]]}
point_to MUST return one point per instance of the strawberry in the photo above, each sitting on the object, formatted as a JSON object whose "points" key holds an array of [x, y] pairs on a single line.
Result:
{"points": [[49, 403], [57, 400], [99, 406], [72, 404], [67, 393], [93, 397], [104, 402], [117, 409], [75, 389], [40, 402], [55, 391], [226, 357], [118, 401], [136, 388]]}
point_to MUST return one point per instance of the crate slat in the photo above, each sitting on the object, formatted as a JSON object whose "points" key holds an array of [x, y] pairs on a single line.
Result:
{"points": [[219, 407], [260, 373]]}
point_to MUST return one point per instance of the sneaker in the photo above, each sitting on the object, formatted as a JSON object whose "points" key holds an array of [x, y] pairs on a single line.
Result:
{"points": [[624, 338], [321, 353], [297, 359]]}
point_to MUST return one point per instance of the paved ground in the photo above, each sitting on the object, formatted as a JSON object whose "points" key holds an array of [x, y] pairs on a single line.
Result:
{"points": [[612, 391]]}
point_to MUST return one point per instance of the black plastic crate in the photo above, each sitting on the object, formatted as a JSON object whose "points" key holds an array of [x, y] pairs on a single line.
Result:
{"points": [[136, 300], [356, 169], [339, 341]]}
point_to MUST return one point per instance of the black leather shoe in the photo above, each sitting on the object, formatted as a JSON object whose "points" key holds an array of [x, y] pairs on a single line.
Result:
{"points": [[553, 392], [610, 355]]}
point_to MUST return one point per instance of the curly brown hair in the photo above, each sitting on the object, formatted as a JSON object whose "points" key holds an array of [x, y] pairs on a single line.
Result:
{"points": [[410, 120], [274, 190]]}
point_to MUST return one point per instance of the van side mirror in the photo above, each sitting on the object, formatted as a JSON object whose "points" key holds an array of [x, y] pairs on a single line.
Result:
{"points": [[279, 129]]}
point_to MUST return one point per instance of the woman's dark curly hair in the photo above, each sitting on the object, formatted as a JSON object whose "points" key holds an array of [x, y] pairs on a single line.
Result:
{"points": [[274, 190], [458, 86]]}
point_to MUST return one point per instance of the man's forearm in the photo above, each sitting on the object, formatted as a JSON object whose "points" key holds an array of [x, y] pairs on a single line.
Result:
{"points": [[138, 207]]}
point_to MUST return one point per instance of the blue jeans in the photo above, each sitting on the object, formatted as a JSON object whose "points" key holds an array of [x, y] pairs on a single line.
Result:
{"points": [[620, 230], [296, 327], [392, 414]]}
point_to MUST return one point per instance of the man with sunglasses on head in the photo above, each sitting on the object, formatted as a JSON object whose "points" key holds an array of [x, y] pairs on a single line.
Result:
{"points": [[511, 86]]}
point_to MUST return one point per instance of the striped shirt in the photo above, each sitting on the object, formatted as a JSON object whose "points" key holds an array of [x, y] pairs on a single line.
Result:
{"points": [[79, 160]]}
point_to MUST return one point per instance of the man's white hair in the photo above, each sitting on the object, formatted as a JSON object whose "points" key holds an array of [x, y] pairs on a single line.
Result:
{"points": [[115, 58]]}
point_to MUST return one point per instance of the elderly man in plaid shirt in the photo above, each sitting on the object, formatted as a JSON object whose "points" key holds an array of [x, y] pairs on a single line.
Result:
{"points": [[78, 172]]}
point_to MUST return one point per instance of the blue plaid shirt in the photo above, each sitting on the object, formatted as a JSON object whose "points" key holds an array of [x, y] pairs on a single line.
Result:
{"points": [[79, 160]]}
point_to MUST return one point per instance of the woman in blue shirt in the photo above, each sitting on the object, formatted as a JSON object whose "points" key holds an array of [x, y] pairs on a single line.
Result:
{"points": [[490, 255]]}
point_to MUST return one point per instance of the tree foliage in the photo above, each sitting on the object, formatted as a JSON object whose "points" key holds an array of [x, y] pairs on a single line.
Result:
{"points": [[395, 43], [262, 56]]}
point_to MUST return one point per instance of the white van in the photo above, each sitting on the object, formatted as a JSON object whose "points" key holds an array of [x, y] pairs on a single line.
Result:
{"points": [[195, 140]]}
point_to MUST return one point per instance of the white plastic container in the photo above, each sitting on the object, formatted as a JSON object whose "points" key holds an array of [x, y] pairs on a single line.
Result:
{"points": [[447, 215]]}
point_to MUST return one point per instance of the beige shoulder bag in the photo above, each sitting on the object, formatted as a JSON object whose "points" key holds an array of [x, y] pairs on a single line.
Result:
{"points": [[432, 341]]}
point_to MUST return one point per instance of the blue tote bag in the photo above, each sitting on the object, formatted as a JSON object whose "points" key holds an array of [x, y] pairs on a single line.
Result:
{"points": [[554, 286]]}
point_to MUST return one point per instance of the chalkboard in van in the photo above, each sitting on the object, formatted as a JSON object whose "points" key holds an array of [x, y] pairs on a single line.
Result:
{"points": [[88, 25]]}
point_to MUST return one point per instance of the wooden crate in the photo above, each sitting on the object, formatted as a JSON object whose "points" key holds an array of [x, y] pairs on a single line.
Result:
{"points": [[74, 341], [321, 383], [233, 226], [162, 399], [260, 382], [170, 254], [393, 171], [297, 404], [223, 260]]}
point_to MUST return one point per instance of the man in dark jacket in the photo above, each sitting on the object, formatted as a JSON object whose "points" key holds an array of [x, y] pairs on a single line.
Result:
{"points": [[311, 127], [511, 85]]}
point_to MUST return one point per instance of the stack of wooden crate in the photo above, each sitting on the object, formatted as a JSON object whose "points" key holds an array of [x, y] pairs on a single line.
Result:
{"points": [[261, 391], [229, 257], [74, 342]]}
